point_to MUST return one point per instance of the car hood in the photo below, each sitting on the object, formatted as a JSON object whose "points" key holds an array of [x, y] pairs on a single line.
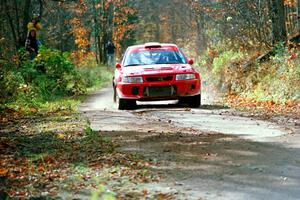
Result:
{"points": [[157, 69]]}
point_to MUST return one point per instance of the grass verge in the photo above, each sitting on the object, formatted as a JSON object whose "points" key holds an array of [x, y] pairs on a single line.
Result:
{"points": [[48, 151], [58, 156]]}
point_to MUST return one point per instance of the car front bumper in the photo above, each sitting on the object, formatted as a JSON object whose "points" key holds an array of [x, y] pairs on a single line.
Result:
{"points": [[159, 91]]}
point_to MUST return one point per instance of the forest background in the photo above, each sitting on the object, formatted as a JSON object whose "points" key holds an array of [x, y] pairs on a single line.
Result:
{"points": [[247, 52], [245, 49]]}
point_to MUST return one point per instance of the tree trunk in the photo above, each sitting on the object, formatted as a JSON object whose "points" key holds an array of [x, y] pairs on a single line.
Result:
{"points": [[17, 19], [11, 24], [26, 19], [173, 26], [96, 32], [277, 12], [201, 39], [41, 8], [298, 16], [157, 24], [61, 28], [110, 22]]}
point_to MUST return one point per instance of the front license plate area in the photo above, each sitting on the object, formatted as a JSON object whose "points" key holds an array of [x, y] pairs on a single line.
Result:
{"points": [[159, 91]]}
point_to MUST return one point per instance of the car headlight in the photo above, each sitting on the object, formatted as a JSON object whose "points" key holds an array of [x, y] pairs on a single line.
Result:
{"points": [[185, 77], [132, 79]]}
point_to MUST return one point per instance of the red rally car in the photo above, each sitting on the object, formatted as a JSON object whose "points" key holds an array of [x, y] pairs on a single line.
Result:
{"points": [[156, 71]]}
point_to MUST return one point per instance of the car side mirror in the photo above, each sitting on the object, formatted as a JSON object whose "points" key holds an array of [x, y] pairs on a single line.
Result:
{"points": [[190, 61], [118, 66]]}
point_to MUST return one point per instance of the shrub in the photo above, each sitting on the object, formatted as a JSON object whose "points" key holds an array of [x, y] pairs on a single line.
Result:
{"points": [[224, 61], [276, 80], [57, 74], [222, 69], [49, 77]]}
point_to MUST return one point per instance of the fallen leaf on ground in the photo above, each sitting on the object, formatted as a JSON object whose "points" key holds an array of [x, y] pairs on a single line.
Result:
{"points": [[3, 172]]}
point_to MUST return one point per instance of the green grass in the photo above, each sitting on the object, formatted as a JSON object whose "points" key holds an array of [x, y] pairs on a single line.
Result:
{"points": [[275, 80], [95, 78], [51, 82]]}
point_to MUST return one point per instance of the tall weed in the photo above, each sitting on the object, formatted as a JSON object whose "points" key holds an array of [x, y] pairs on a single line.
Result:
{"points": [[50, 77], [278, 80], [275, 80]]}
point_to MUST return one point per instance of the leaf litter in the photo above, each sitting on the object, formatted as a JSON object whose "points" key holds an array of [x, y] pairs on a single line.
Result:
{"points": [[57, 156]]}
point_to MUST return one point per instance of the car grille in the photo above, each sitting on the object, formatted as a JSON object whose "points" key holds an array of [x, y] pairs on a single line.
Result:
{"points": [[159, 78], [160, 91]]}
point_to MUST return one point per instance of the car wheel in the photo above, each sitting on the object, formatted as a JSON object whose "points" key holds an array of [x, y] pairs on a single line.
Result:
{"points": [[115, 91], [183, 101], [115, 94], [127, 104], [193, 102]]}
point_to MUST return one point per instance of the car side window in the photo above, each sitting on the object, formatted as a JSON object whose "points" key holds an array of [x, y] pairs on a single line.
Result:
{"points": [[182, 56]]}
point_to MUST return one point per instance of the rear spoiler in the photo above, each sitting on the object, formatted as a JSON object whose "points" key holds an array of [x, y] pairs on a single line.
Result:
{"points": [[152, 45]]}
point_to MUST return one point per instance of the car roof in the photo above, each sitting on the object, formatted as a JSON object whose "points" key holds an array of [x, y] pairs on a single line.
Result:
{"points": [[153, 45]]}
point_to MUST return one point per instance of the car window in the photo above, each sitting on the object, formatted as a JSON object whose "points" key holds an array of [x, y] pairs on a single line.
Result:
{"points": [[150, 57]]}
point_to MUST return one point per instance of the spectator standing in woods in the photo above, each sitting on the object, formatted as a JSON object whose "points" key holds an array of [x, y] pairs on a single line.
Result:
{"points": [[110, 53], [35, 24], [31, 44]]}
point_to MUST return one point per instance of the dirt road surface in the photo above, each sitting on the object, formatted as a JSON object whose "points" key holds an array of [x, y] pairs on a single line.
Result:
{"points": [[207, 153]]}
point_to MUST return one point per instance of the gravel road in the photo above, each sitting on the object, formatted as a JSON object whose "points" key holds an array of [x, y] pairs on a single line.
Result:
{"points": [[208, 153]]}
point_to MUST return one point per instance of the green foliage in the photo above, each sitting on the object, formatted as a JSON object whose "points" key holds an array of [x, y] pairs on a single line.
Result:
{"points": [[221, 68], [10, 82], [95, 77], [103, 193], [57, 74], [89, 131], [224, 60], [280, 49], [276, 80], [48, 78]]}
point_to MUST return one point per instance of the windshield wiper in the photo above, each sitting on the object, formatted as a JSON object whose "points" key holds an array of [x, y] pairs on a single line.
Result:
{"points": [[131, 65], [168, 63]]}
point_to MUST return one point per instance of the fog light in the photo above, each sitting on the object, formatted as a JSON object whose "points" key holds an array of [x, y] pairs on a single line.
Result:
{"points": [[135, 90]]}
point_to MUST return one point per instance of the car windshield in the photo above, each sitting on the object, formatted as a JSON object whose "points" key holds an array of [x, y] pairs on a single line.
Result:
{"points": [[152, 57]]}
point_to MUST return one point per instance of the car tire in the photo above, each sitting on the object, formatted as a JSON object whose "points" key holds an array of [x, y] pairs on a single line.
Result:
{"points": [[127, 104], [183, 101], [115, 93], [193, 101]]}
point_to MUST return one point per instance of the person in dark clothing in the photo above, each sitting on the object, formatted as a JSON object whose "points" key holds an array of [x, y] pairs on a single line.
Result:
{"points": [[110, 53], [31, 44], [35, 24]]}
